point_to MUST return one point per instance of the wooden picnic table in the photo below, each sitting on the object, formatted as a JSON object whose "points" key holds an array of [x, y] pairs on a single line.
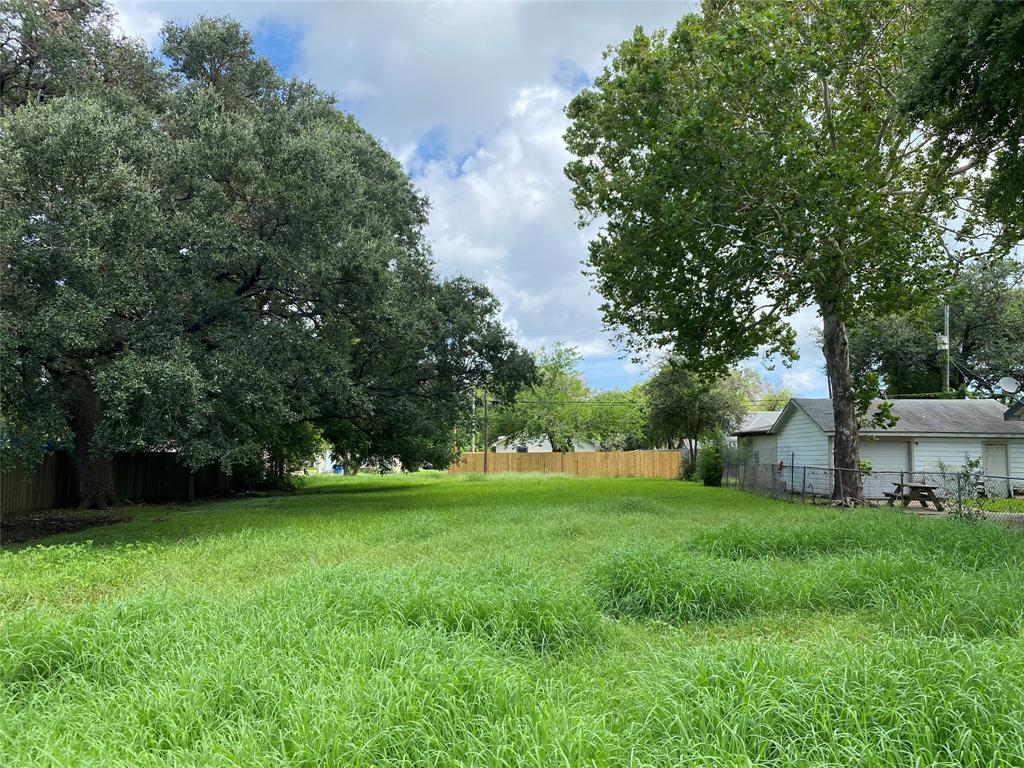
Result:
{"points": [[907, 492]]}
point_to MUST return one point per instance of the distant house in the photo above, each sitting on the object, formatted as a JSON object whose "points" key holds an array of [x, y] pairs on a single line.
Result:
{"points": [[543, 445], [928, 435]]}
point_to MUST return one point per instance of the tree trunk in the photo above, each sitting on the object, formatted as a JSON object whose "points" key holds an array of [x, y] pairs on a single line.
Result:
{"points": [[689, 458], [846, 452], [93, 471]]}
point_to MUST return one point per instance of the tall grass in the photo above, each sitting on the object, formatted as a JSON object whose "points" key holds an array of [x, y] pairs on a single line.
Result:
{"points": [[427, 621], [903, 590]]}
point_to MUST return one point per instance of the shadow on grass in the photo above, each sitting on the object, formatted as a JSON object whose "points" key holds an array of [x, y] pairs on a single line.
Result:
{"points": [[329, 501], [130, 523], [27, 529], [360, 489]]}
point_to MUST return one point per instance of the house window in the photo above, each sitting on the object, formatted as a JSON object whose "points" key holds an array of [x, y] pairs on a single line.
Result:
{"points": [[521, 449]]}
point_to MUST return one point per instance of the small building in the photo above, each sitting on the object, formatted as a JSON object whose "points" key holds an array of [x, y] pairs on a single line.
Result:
{"points": [[928, 436], [754, 436]]}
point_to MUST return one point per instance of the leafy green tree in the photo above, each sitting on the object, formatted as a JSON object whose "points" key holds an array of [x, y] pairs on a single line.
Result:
{"points": [[689, 405], [986, 313], [619, 419], [967, 81], [51, 48], [207, 270], [292, 449], [550, 409], [756, 393], [560, 408], [754, 161]]}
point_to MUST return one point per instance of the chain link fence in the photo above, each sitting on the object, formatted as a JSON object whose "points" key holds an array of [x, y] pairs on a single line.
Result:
{"points": [[967, 492]]}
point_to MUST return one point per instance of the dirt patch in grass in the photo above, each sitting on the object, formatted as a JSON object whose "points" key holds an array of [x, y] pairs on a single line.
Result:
{"points": [[24, 529]]}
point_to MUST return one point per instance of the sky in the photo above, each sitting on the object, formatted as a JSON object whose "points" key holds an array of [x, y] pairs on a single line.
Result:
{"points": [[470, 97]]}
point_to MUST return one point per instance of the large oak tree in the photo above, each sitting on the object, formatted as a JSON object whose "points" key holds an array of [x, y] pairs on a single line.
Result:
{"points": [[200, 256], [754, 161]]}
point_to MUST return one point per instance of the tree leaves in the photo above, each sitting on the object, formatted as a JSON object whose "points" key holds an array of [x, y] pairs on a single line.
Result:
{"points": [[224, 264], [749, 163]]}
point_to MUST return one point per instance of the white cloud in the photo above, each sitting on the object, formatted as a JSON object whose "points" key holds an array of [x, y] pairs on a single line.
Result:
{"points": [[503, 214], [457, 65], [135, 19]]}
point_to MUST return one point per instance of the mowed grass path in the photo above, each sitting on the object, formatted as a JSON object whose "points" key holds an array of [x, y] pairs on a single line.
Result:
{"points": [[514, 620]]}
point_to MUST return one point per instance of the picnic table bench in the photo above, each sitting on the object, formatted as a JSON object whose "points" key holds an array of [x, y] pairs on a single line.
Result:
{"points": [[908, 492]]}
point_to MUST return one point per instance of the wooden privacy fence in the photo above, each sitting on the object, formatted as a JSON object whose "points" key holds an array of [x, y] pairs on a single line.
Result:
{"points": [[137, 477], [585, 464], [40, 486]]}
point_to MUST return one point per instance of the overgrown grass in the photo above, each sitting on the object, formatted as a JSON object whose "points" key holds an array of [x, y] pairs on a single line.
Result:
{"points": [[491, 620], [901, 591]]}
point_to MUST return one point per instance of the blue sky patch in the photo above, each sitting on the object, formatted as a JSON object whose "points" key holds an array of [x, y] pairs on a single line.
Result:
{"points": [[432, 147], [608, 372], [279, 41], [570, 75]]}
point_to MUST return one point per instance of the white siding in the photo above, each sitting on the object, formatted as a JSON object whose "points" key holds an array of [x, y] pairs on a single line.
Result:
{"points": [[886, 455], [801, 442], [761, 449], [1017, 458], [929, 452]]}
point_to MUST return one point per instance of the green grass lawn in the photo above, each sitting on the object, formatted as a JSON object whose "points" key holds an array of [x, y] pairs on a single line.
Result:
{"points": [[514, 620]]}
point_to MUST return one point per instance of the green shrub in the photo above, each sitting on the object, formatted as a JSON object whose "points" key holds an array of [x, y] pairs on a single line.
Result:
{"points": [[709, 464]]}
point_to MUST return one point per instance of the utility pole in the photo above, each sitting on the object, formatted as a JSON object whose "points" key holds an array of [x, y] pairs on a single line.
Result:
{"points": [[472, 439], [946, 331], [486, 437]]}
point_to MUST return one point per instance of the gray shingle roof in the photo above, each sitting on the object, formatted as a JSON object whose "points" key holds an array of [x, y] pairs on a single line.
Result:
{"points": [[757, 423], [939, 417]]}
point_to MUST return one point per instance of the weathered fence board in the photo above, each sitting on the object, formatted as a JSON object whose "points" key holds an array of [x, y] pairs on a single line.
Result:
{"points": [[583, 464]]}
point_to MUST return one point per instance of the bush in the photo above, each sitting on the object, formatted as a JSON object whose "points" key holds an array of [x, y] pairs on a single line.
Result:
{"points": [[709, 464]]}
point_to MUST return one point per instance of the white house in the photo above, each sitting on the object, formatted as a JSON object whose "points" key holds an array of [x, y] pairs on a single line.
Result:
{"points": [[929, 435], [543, 445]]}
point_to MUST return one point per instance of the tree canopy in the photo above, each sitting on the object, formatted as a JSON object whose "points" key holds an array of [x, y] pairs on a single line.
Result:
{"points": [[967, 81], [986, 322], [688, 405], [753, 161], [561, 409], [203, 261]]}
